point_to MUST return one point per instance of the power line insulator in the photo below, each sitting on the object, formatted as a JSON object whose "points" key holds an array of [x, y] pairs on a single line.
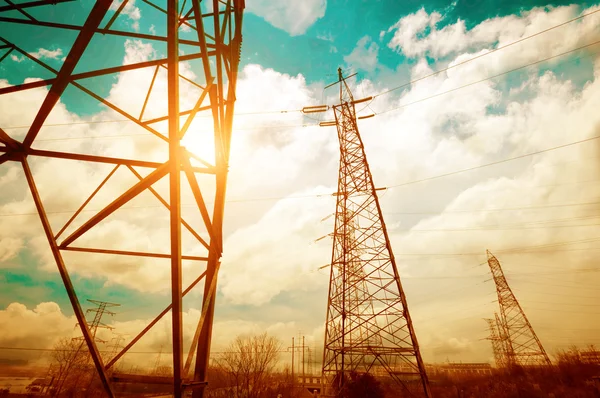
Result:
{"points": [[315, 109]]}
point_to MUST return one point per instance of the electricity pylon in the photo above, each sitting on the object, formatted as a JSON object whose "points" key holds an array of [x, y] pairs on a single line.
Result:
{"points": [[368, 327], [168, 114], [96, 322], [521, 344], [497, 341]]}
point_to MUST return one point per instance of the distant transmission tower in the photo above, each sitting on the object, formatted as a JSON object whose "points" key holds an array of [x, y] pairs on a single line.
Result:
{"points": [[368, 327], [96, 322], [521, 344], [497, 341]]}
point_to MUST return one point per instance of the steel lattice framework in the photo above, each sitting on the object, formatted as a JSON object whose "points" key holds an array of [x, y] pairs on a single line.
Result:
{"points": [[368, 326], [520, 343], [497, 341], [214, 52]]}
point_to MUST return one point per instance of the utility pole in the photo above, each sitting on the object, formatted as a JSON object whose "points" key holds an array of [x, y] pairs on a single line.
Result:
{"points": [[300, 350], [292, 349], [368, 326], [303, 374], [521, 344]]}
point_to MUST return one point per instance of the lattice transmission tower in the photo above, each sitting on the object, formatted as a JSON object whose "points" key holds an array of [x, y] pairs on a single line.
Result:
{"points": [[497, 340], [206, 39], [96, 323], [368, 326], [520, 343]]}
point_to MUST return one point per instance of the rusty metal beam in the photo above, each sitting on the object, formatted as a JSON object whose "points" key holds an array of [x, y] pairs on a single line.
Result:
{"points": [[8, 141], [151, 324], [117, 203], [144, 379], [182, 113], [32, 4], [175, 192], [93, 158], [200, 326], [87, 201], [116, 14], [5, 157], [20, 9], [129, 253], [181, 20], [95, 73], [62, 79], [148, 94], [164, 203], [191, 177], [79, 314], [194, 111], [101, 31]]}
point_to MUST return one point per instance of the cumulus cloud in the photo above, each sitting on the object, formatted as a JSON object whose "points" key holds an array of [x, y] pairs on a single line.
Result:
{"points": [[39, 327], [9, 248], [44, 325], [364, 55], [417, 34], [295, 17], [277, 242], [130, 10], [42, 53]]}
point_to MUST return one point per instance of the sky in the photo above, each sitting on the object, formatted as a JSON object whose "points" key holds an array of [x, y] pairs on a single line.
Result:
{"points": [[537, 213]]}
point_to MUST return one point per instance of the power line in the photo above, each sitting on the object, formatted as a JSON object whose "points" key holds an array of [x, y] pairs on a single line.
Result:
{"points": [[496, 229], [522, 249], [485, 54], [562, 311], [489, 78], [443, 211], [555, 294], [495, 163], [566, 286], [376, 95], [573, 304]]}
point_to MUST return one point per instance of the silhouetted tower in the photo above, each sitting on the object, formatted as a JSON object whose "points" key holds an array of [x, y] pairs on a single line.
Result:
{"points": [[116, 344], [96, 323], [521, 344], [497, 341], [98, 314], [368, 327]]}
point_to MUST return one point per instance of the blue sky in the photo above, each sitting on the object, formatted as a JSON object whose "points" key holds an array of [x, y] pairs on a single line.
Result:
{"points": [[286, 61]]}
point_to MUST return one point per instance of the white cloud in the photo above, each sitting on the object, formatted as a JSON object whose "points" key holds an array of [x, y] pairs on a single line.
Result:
{"points": [[39, 327], [272, 253], [326, 36], [293, 17], [41, 53], [364, 55], [130, 10], [45, 324], [417, 34], [9, 248]]}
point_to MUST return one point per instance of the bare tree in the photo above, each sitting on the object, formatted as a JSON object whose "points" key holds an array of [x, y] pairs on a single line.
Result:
{"points": [[249, 362], [68, 366]]}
